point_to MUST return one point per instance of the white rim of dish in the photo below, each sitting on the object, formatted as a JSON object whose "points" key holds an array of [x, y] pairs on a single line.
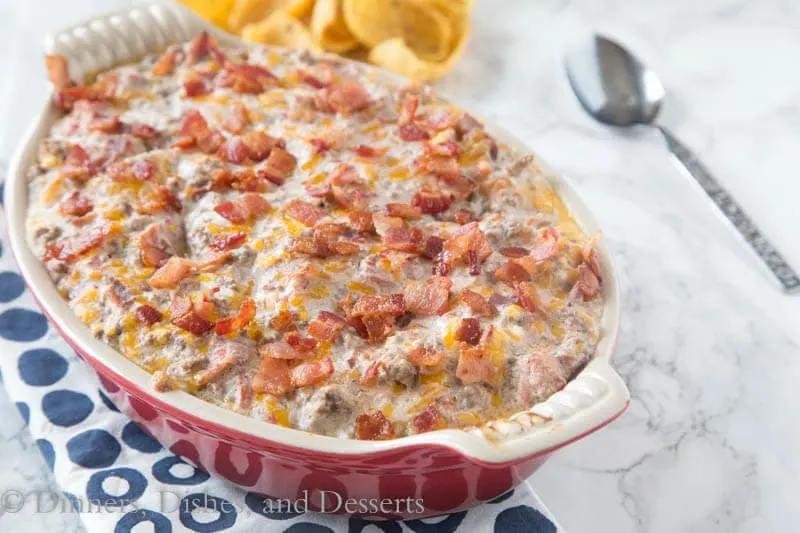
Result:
{"points": [[593, 398]]}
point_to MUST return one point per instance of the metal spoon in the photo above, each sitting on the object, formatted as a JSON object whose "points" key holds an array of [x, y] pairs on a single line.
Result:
{"points": [[615, 88]]}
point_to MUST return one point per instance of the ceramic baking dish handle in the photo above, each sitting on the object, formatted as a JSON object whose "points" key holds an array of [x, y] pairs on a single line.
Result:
{"points": [[126, 36]]}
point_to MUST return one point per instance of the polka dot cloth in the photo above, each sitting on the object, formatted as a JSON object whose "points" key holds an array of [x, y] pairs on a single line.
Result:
{"points": [[98, 454]]}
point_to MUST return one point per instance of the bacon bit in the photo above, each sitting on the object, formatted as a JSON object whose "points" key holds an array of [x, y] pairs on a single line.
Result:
{"points": [[165, 64], [497, 299], [235, 121], [396, 234], [249, 206], [469, 331], [77, 165], [101, 90], [477, 303], [327, 326], [233, 212], [103, 124], [433, 246], [195, 127], [201, 46], [511, 272], [444, 167], [474, 366], [514, 251], [229, 241], [307, 213], [77, 245], [143, 170], [390, 304], [361, 221], [441, 120], [245, 78], [244, 393], [429, 297], [369, 151], [411, 133], [234, 151], [283, 321], [154, 245], [311, 373], [373, 426], [473, 262], [589, 255], [305, 346], [406, 211], [370, 376], [120, 294], [279, 350], [311, 80], [344, 97], [170, 273], [448, 149], [75, 205], [259, 145], [425, 358], [143, 131], [279, 165], [320, 145], [273, 377], [431, 200], [468, 238], [155, 198], [183, 314], [527, 296], [194, 85], [58, 71], [547, 246], [428, 420], [149, 314], [254, 204], [236, 323], [410, 105], [463, 216], [588, 284]]}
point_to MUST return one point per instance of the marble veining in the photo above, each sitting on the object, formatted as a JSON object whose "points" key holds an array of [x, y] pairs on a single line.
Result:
{"points": [[709, 345]]}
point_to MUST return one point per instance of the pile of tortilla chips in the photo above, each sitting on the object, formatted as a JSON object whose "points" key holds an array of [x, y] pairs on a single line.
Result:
{"points": [[421, 39]]}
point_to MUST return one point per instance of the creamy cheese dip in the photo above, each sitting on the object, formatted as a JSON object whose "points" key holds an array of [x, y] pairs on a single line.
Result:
{"points": [[290, 237]]}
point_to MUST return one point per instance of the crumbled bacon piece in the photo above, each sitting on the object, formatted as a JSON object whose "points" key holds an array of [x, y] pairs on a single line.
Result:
{"points": [[390, 304], [235, 121], [373, 426], [477, 303], [469, 331], [273, 377], [311, 373], [195, 128], [361, 221], [246, 78], [165, 64], [58, 71], [170, 273], [307, 213], [247, 207], [105, 124], [431, 200], [229, 241], [512, 272], [369, 377], [327, 326], [149, 314], [143, 131], [75, 205], [120, 294], [259, 145], [77, 165], [279, 165], [429, 297], [406, 211], [410, 106], [475, 366], [101, 90], [527, 296], [513, 251], [234, 151], [364, 150], [547, 246], [203, 45], [466, 239], [283, 321], [311, 80], [157, 244], [280, 350], [73, 247], [343, 97], [320, 145], [433, 246], [247, 312], [412, 132], [425, 358], [428, 420], [143, 170], [444, 167], [440, 120], [447, 149], [396, 234], [589, 255], [588, 284], [155, 198], [305, 346], [194, 85], [183, 314]]}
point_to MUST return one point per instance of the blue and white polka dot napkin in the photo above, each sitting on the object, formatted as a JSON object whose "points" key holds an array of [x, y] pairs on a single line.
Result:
{"points": [[119, 478]]}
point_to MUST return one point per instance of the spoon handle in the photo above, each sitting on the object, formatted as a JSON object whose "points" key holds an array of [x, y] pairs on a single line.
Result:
{"points": [[734, 213]]}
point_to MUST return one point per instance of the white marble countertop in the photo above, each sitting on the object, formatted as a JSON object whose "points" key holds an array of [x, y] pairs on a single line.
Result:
{"points": [[709, 346]]}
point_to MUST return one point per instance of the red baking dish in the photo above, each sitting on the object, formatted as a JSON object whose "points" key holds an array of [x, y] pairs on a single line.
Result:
{"points": [[411, 477]]}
